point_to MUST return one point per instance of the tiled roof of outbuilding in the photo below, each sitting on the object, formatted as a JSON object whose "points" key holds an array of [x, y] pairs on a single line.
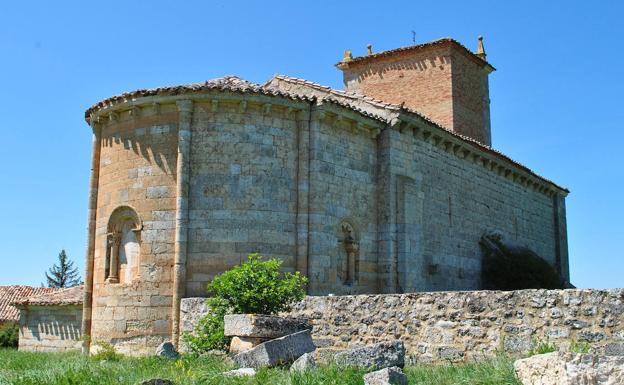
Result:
{"points": [[65, 296], [14, 293]]}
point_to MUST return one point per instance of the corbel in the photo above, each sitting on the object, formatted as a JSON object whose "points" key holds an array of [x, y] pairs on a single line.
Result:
{"points": [[135, 111], [266, 108], [156, 108], [242, 106], [375, 132], [214, 105]]}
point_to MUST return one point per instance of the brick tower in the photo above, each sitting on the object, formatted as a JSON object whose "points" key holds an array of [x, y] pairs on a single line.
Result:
{"points": [[442, 80]]}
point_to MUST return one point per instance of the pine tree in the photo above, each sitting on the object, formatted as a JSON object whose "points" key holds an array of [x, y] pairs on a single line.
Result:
{"points": [[64, 274]]}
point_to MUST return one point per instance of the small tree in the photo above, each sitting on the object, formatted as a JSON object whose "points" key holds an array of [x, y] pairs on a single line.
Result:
{"points": [[255, 286], [65, 274]]}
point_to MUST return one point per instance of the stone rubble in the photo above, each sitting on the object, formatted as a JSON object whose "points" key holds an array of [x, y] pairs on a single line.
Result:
{"points": [[278, 351], [167, 350], [303, 363], [565, 368], [386, 376], [157, 381], [242, 372], [377, 356]]}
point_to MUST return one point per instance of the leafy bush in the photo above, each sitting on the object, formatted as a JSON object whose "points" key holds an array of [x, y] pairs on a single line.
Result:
{"points": [[9, 335], [255, 286], [507, 267]]}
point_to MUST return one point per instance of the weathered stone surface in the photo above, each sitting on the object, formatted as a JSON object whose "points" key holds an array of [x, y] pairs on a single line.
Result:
{"points": [[561, 368], [275, 352], [241, 344], [377, 356], [263, 326], [387, 376], [303, 363], [167, 350], [157, 381], [457, 326], [242, 372]]}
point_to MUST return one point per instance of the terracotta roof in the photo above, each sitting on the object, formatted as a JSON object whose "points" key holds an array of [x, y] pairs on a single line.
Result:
{"points": [[348, 100], [373, 108], [12, 294], [66, 296], [226, 83], [444, 40]]}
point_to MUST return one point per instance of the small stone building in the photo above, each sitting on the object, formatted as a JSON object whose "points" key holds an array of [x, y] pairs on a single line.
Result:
{"points": [[14, 293], [51, 322], [385, 187]]}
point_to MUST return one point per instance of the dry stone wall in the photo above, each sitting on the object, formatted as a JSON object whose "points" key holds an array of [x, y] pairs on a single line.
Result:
{"points": [[455, 326]]}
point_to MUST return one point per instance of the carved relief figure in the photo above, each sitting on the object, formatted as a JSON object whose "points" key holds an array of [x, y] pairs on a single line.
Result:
{"points": [[122, 246]]}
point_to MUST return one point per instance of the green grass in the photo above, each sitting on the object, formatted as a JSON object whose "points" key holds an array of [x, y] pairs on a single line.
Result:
{"points": [[20, 368]]}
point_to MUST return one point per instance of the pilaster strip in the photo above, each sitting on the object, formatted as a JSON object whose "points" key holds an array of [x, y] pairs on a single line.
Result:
{"points": [[91, 225], [185, 116]]}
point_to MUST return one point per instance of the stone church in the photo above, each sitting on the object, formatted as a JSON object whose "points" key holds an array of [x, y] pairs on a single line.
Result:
{"points": [[383, 187]]}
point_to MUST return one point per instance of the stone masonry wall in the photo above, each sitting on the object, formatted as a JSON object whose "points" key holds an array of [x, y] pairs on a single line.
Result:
{"points": [[50, 328], [137, 169], [444, 204], [457, 326], [243, 187]]}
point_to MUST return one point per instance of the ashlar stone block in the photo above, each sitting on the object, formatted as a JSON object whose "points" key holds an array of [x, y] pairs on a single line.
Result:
{"points": [[263, 326]]}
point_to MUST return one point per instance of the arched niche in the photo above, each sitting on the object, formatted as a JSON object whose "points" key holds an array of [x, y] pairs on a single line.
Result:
{"points": [[349, 252], [123, 246]]}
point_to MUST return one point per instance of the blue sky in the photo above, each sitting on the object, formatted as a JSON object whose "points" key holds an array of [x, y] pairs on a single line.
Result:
{"points": [[557, 103]]}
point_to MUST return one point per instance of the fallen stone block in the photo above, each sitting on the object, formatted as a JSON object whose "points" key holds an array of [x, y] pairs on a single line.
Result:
{"points": [[167, 350], [157, 381], [565, 368], [303, 363], [279, 351], [263, 326], [242, 372], [386, 376], [241, 344], [377, 356]]}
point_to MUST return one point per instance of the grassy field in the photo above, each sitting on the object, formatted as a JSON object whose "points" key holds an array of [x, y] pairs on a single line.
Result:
{"points": [[18, 368]]}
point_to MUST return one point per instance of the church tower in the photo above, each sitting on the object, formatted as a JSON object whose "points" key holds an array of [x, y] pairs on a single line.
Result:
{"points": [[442, 80]]}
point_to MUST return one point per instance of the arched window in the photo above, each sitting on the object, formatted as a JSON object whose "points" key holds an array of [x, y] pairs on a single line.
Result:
{"points": [[123, 245]]}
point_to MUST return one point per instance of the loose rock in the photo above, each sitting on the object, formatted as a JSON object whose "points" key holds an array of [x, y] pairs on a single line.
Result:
{"points": [[386, 376], [263, 326], [242, 372], [157, 381], [167, 350], [275, 352], [241, 344], [303, 363], [377, 356], [561, 368]]}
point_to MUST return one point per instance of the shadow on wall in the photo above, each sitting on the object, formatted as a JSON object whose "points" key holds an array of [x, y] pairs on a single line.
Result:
{"points": [[57, 330], [148, 142]]}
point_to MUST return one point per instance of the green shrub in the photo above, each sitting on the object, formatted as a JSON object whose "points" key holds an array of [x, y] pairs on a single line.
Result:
{"points": [[105, 352], [255, 286], [579, 347], [541, 347], [9, 335], [506, 267]]}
